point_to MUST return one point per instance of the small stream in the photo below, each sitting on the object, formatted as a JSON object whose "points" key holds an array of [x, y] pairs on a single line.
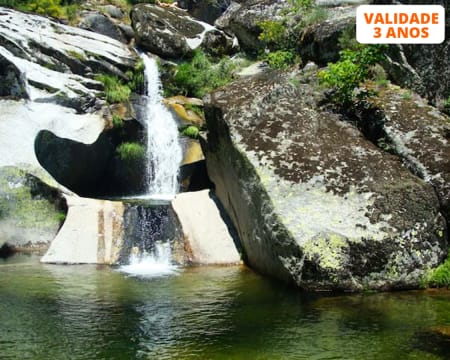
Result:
{"points": [[96, 312]]}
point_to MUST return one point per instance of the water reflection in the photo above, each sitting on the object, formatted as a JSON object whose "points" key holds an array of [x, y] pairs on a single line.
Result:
{"points": [[88, 312]]}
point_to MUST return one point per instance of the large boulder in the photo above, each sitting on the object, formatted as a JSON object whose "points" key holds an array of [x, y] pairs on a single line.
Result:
{"points": [[171, 33], [31, 212], [314, 202]]}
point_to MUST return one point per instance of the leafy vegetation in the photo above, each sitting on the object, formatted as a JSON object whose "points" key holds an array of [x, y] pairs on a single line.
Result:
{"points": [[195, 108], [115, 90], [200, 75], [117, 121], [66, 9], [440, 277], [136, 82], [131, 151], [346, 75], [281, 59], [281, 36], [191, 131], [447, 106]]}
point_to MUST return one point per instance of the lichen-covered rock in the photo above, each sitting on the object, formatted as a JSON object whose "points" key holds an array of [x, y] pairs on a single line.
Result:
{"points": [[313, 201], [170, 32], [31, 212], [241, 20], [320, 42], [421, 136]]}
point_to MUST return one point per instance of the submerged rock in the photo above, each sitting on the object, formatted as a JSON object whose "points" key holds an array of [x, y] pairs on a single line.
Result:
{"points": [[208, 238], [313, 201], [171, 33], [31, 212]]}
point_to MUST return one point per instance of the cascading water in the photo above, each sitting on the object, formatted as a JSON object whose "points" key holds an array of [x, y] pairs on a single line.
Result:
{"points": [[164, 152], [153, 256]]}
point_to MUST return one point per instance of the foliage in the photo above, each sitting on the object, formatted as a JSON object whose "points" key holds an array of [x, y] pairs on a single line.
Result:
{"points": [[347, 39], [76, 55], [281, 59], [136, 77], [447, 105], [195, 108], [298, 5], [67, 9], [191, 131], [353, 67], [115, 90], [117, 121], [199, 76], [60, 216], [273, 33], [46, 7], [131, 151], [440, 277]]}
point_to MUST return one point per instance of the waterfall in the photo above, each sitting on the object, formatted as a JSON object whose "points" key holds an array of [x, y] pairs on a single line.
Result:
{"points": [[152, 255], [164, 152]]}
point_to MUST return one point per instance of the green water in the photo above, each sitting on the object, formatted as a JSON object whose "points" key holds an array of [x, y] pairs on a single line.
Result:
{"points": [[91, 312]]}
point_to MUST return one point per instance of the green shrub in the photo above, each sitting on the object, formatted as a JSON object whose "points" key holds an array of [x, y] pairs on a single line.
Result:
{"points": [[297, 5], [344, 76], [137, 78], [46, 7], [131, 151], [199, 76], [440, 277], [191, 131], [115, 90], [273, 33], [117, 121], [447, 105], [195, 108], [281, 59]]}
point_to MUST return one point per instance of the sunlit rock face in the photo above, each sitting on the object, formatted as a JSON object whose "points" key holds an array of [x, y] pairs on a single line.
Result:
{"points": [[52, 86], [47, 83], [315, 202]]}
